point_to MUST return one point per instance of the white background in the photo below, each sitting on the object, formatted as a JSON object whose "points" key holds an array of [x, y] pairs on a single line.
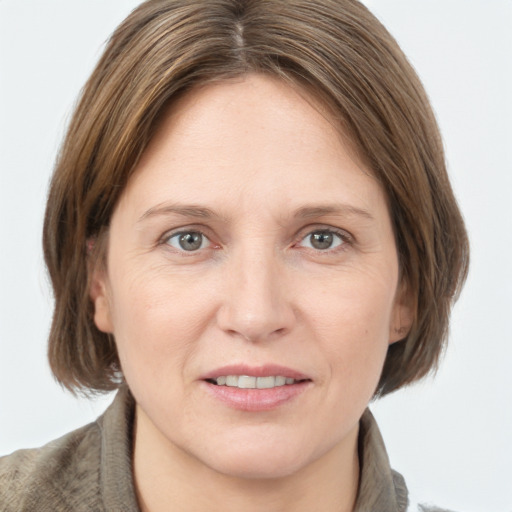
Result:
{"points": [[450, 437]]}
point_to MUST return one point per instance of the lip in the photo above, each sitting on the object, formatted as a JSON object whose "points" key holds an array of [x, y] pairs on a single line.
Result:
{"points": [[266, 370], [256, 400]]}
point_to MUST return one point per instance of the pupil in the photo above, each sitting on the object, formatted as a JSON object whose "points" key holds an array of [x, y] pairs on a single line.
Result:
{"points": [[321, 240], [191, 241]]}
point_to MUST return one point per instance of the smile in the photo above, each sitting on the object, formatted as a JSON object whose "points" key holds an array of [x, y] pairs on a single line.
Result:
{"points": [[249, 382]]}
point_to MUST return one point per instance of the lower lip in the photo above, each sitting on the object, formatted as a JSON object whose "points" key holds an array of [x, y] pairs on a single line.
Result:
{"points": [[256, 399]]}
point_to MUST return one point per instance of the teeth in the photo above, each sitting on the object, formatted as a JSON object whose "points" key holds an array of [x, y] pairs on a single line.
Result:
{"points": [[247, 382], [232, 381], [281, 381], [265, 382]]}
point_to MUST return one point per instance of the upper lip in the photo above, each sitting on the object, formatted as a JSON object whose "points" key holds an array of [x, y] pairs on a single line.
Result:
{"points": [[266, 370]]}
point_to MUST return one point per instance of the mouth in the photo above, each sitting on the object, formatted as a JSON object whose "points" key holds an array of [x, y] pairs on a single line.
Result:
{"points": [[261, 388], [251, 382]]}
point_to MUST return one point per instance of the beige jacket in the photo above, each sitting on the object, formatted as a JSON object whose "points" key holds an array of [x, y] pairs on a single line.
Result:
{"points": [[89, 470]]}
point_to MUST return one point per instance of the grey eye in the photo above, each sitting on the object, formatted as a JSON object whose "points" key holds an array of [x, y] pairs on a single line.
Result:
{"points": [[188, 241], [322, 240]]}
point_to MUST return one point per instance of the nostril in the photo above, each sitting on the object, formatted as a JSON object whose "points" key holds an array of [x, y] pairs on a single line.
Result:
{"points": [[254, 317]]}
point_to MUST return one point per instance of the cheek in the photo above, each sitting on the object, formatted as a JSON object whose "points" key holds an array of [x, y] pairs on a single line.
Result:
{"points": [[351, 318], [358, 304], [157, 322]]}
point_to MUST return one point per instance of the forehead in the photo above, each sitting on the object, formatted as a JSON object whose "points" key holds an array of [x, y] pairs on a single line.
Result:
{"points": [[256, 139]]}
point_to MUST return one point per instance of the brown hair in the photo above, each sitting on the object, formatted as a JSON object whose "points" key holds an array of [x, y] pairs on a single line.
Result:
{"points": [[335, 48]]}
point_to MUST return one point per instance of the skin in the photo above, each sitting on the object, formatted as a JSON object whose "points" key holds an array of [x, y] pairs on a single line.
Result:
{"points": [[254, 152]]}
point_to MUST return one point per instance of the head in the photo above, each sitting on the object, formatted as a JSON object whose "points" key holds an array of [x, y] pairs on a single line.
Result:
{"points": [[335, 54]]}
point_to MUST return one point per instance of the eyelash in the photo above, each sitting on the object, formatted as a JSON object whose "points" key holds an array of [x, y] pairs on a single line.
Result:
{"points": [[344, 237], [183, 252]]}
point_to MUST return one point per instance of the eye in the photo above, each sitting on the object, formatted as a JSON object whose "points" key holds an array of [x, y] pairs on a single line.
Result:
{"points": [[188, 241], [322, 240]]}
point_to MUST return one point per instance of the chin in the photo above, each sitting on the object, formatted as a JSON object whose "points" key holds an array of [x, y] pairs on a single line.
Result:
{"points": [[260, 460], [261, 467]]}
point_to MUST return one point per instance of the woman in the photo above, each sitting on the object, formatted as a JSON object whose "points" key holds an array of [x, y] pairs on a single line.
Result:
{"points": [[250, 232]]}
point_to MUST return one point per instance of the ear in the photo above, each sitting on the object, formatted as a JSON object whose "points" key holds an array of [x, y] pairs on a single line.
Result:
{"points": [[402, 316], [98, 292]]}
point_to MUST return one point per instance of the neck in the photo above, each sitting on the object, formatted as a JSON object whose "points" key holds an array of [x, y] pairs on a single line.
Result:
{"points": [[167, 478]]}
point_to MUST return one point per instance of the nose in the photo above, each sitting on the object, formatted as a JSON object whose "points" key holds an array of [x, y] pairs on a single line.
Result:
{"points": [[256, 305]]}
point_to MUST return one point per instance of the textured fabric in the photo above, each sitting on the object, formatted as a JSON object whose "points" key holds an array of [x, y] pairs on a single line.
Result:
{"points": [[380, 488], [90, 470]]}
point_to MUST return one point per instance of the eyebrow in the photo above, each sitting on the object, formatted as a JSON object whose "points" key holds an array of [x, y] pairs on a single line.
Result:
{"points": [[191, 210], [342, 210], [305, 212]]}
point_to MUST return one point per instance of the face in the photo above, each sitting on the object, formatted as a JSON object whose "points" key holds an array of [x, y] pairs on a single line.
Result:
{"points": [[251, 281]]}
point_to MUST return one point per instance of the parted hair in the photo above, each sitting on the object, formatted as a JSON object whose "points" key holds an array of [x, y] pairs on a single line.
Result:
{"points": [[335, 48]]}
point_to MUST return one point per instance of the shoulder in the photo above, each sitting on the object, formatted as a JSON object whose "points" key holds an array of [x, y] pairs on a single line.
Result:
{"points": [[407, 502], [426, 507], [52, 477]]}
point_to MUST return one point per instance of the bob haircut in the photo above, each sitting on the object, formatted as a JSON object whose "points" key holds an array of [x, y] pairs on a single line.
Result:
{"points": [[335, 49]]}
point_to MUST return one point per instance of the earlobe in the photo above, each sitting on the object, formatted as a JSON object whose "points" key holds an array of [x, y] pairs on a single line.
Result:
{"points": [[100, 301], [403, 315]]}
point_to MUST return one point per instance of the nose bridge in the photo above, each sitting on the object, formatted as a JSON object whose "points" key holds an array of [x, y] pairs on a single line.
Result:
{"points": [[256, 304]]}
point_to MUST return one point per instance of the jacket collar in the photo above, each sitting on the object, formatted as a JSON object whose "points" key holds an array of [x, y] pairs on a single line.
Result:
{"points": [[116, 476], [380, 487]]}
